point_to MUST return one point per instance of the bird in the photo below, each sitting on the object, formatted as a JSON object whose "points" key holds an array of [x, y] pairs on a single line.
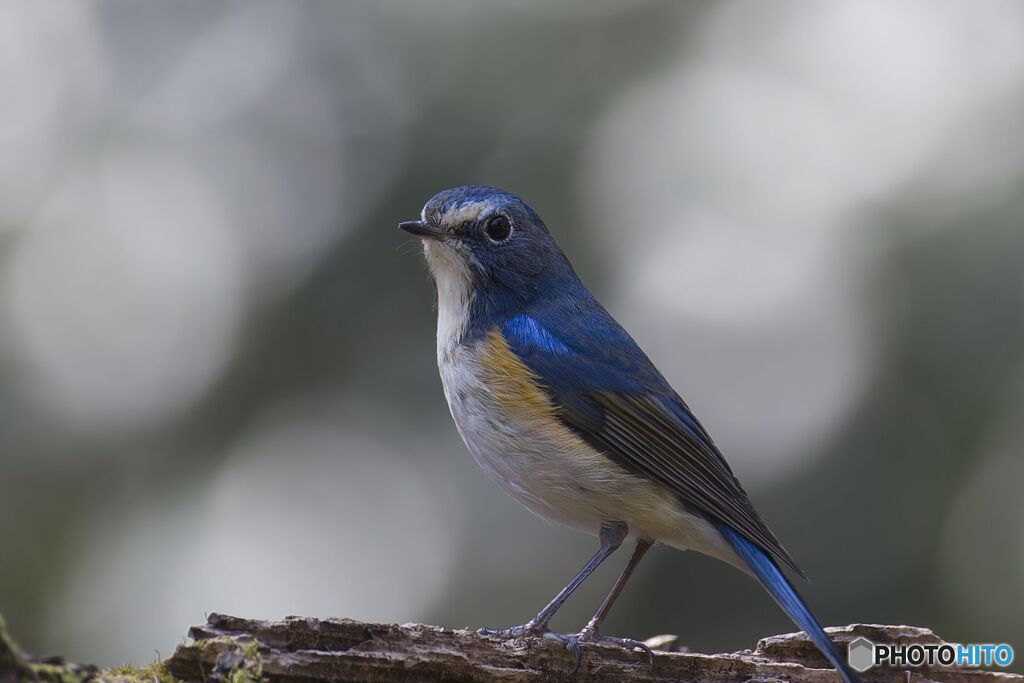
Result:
{"points": [[561, 407]]}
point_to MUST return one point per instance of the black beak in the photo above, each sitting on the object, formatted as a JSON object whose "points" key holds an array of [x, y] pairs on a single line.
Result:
{"points": [[422, 229]]}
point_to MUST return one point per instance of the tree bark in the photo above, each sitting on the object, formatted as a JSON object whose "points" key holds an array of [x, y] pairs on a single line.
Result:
{"points": [[301, 649]]}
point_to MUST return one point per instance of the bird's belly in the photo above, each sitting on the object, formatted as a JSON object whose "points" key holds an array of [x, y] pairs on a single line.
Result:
{"points": [[515, 437], [539, 473], [511, 429]]}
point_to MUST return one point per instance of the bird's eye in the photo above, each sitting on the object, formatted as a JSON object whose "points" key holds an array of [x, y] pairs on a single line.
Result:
{"points": [[498, 229]]}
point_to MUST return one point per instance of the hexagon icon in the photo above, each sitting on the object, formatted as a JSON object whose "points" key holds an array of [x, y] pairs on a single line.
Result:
{"points": [[861, 654]]}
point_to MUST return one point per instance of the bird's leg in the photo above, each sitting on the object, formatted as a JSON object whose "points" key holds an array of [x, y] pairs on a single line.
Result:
{"points": [[611, 536], [591, 633]]}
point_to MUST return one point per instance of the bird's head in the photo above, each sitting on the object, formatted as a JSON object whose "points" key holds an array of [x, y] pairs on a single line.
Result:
{"points": [[487, 242]]}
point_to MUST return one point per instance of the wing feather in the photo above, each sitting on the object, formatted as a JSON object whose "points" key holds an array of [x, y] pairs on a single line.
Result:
{"points": [[611, 395]]}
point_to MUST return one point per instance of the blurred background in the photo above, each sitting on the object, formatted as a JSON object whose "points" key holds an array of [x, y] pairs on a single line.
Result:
{"points": [[218, 388]]}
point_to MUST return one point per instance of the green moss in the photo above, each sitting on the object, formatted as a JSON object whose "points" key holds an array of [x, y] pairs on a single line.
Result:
{"points": [[154, 673], [26, 669], [238, 660], [61, 672], [11, 661]]}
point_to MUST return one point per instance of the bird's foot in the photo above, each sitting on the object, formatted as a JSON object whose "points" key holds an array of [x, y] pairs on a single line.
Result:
{"points": [[539, 630], [592, 635], [572, 643], [530, 628]]}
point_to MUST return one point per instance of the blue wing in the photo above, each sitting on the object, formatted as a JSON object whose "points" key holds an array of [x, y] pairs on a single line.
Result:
{"points": [[612, 396]]}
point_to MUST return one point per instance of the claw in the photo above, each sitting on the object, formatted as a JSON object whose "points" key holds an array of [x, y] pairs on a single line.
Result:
{"points": [[572, 645]]}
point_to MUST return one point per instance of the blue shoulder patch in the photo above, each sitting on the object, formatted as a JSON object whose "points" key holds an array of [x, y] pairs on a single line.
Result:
{"points": [[524, 330], [575, 347]]}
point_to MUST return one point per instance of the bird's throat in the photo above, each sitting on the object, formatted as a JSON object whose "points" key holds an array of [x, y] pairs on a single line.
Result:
{"points": [[454, 296]]}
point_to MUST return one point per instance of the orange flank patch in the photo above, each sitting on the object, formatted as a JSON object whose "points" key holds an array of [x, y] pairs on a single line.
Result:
{"points": [[513, 385]]}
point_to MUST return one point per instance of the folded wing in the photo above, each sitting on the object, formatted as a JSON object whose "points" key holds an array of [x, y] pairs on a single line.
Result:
{"points": [[611, 395]]}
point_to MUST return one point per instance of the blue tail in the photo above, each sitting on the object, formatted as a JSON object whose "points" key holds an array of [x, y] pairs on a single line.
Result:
{"points": [[772, 578]]}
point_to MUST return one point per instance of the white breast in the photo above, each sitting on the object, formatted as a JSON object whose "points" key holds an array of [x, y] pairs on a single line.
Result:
{"points": [[539, 471]]}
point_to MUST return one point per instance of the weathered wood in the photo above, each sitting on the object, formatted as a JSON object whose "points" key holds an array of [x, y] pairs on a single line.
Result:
{"points": [[301, 649]]}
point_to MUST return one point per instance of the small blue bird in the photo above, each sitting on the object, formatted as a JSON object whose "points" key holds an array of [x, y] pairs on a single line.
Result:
{"points": [[561, 407]]}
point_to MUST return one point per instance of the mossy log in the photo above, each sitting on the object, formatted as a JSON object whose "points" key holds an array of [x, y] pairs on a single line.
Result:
{"points": [[298, 649]]}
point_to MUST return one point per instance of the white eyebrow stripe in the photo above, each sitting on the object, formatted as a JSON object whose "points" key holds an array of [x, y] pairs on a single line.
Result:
{"points": [[464, 214]]}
